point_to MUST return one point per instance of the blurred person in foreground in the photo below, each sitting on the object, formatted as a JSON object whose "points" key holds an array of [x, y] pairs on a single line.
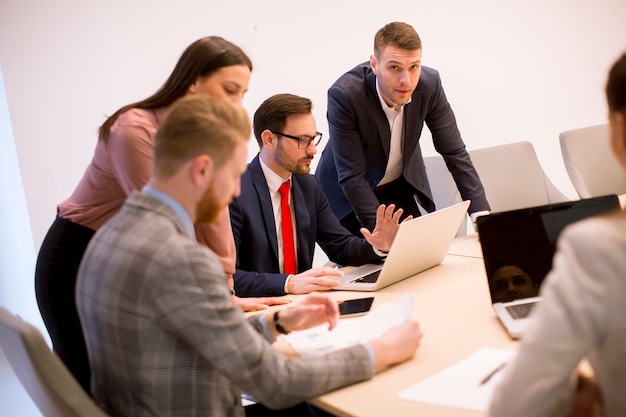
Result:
{"points": [[121, 164], [582, 312]]}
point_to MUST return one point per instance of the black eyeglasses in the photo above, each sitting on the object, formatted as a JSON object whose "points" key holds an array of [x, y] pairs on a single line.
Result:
{"points": [[304, 141]]}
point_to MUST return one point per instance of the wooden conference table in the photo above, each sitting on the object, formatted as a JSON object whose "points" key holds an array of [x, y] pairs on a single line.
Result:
{"points": [[453, 307]]}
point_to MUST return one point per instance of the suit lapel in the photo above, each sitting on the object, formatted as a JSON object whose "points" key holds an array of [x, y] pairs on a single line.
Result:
{"points": [[267, 211], [377, 113], [303, 221], [411, 119]]}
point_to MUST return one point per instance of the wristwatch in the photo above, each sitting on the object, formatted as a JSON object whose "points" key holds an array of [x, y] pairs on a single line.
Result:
{"points": [[279, 327]]}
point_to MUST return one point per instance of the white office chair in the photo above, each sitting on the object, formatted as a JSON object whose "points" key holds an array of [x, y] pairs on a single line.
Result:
{"points": [[46, 379], [442, 185], [590, 163], [513, 178]]}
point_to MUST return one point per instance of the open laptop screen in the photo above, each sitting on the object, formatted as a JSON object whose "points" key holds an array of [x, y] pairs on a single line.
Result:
{"points": [[518, 245]]}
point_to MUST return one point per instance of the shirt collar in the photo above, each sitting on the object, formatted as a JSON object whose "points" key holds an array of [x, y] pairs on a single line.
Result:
{"points": [[174, 205], [274, 181], [386, 106]]}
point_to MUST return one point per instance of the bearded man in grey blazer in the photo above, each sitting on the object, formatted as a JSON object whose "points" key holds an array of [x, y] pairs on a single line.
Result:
{"points": [[163, 336]]}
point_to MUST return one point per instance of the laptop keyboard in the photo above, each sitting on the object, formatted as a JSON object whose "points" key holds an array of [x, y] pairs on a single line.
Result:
{"points": [[369, 278], [520, 311]]}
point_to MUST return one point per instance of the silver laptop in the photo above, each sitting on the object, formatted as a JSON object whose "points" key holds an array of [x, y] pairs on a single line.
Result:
{"points": [[421, 243], [518, 247]]}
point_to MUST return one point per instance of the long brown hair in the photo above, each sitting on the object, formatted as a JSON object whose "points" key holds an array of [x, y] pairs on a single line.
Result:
{"points": [[200, 59], [616, 86], [199, 124]]}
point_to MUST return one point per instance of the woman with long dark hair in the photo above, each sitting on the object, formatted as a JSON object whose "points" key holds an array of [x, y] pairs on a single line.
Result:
{"points": [[122, 163]]}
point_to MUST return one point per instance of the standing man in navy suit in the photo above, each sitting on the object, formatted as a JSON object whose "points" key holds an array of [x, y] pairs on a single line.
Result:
{"points": [[376, 112], [286, 132]]}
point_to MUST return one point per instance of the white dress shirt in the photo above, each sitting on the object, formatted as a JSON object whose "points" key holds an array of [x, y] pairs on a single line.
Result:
{"points": [[274, 181], [395, 117]]}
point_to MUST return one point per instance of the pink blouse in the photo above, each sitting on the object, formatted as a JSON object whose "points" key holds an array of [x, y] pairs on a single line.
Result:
{"points": [[123, 165]]}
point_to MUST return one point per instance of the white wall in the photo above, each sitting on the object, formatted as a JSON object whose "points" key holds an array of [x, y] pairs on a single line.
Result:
{"points": [[17, 252], [513, 70]]}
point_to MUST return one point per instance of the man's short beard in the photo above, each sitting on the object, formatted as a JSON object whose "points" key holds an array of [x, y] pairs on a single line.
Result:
{"points": [[209, 208]]}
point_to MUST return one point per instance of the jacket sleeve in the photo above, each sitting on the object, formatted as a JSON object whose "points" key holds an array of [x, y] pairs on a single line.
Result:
{"points": [[195, 307], [337, 242], [447, 141], [252, 283], [349, 151]]}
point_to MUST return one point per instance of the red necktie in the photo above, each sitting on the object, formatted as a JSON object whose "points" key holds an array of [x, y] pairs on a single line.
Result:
{"points": [[289, 254]]}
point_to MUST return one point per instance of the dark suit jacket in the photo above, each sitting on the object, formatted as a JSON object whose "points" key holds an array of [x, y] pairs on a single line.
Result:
{"points": [[354, 160], [254, 229]]}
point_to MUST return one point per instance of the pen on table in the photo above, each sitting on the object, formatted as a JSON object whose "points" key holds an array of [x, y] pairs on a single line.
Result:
{"points": [[492, 373]]}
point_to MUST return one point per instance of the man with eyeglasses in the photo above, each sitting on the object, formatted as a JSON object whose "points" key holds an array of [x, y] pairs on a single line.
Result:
{"points": [[275, 238], [376, 113]]}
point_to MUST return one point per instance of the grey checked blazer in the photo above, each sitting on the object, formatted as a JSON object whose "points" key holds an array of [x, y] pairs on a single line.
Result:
{"points": [[163, 336]]}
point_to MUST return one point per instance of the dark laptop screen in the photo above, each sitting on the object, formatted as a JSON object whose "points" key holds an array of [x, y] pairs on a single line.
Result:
{"points": [[518, 245]]}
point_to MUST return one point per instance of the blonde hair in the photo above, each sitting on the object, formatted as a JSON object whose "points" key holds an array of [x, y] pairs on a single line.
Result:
{"points": [[197, 125]]}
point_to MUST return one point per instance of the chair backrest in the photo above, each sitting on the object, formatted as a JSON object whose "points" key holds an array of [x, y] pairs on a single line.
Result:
{"points": [[442, 185], [513, 177], [46, 379], [590, 164]]}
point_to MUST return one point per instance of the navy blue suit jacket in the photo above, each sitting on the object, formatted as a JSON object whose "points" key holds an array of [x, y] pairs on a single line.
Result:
{"points": [[355, 158], [254, 229]]}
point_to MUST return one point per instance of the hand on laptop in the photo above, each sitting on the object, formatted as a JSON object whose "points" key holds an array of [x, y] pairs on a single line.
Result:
{"points": [[314, 279], [387, 224]]}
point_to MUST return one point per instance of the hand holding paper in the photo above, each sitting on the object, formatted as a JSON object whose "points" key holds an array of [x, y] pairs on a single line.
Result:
{"points": [[396, 345], [319, 340]]}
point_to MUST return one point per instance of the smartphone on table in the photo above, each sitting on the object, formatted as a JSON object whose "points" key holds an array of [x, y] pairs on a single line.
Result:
{"points": [[357, 307]]}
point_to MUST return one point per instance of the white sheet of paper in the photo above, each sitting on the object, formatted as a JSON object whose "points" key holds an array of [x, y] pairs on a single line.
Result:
{"points": [[348, 332], [459, 386]]}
